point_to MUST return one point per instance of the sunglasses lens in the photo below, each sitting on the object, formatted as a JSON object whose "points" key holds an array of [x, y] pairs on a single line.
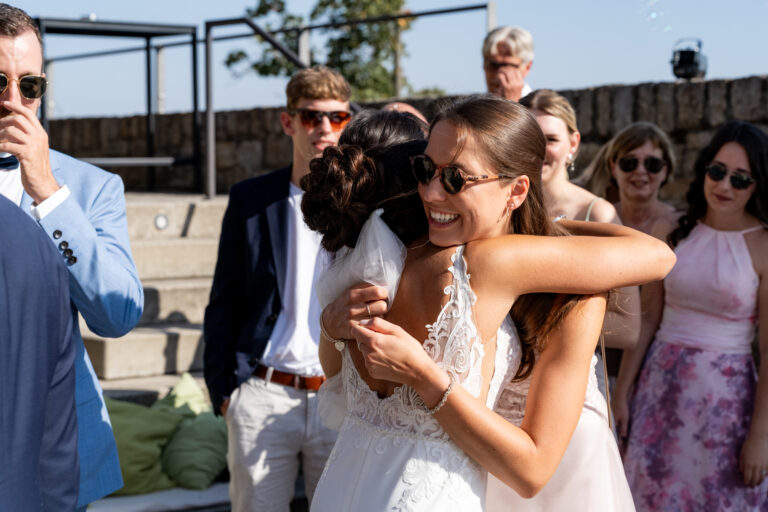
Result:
{"points": [[3, 82], [452, 180], [423, 169], [32, 87], [310, 118], [339, 119], [628, 163], [741, 181], [654, 165], [716, 172]]}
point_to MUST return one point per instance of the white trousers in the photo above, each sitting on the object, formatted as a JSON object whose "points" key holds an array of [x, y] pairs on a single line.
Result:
{"points": [[270, 427]]}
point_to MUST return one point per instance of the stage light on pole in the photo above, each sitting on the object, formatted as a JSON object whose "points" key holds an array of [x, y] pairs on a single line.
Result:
{"points": [[687, 60]]}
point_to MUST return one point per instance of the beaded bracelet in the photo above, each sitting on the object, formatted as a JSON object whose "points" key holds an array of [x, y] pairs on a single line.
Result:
{"points": [[339, 343], [442, 401]]}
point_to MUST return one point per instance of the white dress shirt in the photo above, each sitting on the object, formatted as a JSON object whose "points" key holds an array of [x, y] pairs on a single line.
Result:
{"points": [[11, 187]]}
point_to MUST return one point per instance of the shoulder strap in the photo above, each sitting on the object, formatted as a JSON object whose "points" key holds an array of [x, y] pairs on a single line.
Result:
{"points": [[753, 228], [589, 208]]}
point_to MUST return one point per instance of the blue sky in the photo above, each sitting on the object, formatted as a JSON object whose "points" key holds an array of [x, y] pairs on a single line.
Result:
{"points": [[578, 44]]}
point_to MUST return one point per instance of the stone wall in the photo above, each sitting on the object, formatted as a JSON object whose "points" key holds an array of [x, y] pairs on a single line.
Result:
{"points": [[251, 142]]}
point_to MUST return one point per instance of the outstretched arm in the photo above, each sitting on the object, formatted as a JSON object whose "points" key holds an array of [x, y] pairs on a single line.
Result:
{"points": [[526, 457], [601, 257]]}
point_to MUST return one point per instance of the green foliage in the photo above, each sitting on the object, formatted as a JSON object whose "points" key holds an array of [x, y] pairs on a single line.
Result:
{"points": [[363, 53]]}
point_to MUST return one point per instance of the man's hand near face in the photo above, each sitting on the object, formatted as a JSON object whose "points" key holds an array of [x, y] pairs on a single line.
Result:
{"points": [[22, 135]]}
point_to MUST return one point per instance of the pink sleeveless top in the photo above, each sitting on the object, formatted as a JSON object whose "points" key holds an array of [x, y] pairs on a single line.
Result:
{"points": [[710, 299]]}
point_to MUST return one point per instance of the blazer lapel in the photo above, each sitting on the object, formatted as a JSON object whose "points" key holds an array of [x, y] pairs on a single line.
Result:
{"points": [[277, 219]]}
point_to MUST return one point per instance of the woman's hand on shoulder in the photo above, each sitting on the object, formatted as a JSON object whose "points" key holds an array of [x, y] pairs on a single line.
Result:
{"points": [[361, 301]]}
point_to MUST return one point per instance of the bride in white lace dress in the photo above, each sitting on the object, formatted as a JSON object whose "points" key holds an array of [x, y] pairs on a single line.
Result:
{"points": [[417, 446]]}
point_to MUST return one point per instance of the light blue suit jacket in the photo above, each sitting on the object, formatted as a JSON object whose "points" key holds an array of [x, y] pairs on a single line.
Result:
{"points": [[105, 289]]}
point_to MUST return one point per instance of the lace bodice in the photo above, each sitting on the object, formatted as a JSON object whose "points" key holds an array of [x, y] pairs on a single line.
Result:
{"points": [[452, 342], [512, 398]]}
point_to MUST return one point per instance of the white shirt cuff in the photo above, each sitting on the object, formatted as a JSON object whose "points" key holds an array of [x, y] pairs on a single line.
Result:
{"points": [[50, 204]]}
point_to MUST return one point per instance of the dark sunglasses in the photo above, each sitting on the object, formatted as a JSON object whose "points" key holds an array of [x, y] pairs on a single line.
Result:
{"points": [[452, 178], [652, 164], [495, 66], [739, 180], [30, 86], [313, 118]]}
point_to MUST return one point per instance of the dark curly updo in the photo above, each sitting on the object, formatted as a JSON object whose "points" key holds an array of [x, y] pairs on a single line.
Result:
{"points": [[369, 169]]}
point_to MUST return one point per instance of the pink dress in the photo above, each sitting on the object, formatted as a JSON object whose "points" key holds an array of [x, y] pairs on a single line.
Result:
{"points": [[694, 398]]}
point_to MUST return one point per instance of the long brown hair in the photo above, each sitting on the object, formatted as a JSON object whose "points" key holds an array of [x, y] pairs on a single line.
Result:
{"points": [[510, 141]]}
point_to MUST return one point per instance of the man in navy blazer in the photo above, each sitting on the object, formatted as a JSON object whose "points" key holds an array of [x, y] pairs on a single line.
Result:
{"points": [[38, 425], [262, 323], [81, 209]]}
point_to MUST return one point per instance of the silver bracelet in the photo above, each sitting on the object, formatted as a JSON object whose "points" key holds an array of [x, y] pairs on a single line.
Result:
{"points": [[339, 343], [442, 401], [559, 218]]}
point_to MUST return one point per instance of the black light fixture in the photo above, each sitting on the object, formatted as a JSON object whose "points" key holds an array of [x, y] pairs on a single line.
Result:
{"points": [[687, 60]]}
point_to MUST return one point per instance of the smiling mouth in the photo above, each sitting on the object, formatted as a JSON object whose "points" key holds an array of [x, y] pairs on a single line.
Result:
{"points": [[442, 218]]}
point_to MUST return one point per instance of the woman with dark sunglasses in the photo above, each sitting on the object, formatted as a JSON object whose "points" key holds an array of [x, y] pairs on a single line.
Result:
{"points": [[417, 418], [698, 414], [638, 161]]}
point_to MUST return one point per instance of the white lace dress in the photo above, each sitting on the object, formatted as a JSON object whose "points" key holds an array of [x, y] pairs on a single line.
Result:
{"points": [[589, 477], [391, 454]]}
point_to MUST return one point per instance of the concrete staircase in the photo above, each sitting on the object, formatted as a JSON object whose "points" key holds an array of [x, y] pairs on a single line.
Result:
{"points": [[174, 239]]}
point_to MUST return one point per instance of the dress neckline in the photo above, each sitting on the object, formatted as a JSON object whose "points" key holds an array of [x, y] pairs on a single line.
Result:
{"points": [[732, 231]]}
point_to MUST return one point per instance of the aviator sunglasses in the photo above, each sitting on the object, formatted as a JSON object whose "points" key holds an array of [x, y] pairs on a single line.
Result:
{"points": [[314, 118], [652, 164], [452, 178], [31, 87], [739, 180]]}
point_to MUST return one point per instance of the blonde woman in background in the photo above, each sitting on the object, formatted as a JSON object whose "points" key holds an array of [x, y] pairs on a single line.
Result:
{"points": [[638, 161]]}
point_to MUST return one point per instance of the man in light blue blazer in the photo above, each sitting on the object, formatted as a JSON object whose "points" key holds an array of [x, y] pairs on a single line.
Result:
{"points": [[81, 209]]}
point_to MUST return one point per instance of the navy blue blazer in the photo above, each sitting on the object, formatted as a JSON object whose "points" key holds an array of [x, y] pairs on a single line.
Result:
{"points": [[38, 423], [250, 276]]}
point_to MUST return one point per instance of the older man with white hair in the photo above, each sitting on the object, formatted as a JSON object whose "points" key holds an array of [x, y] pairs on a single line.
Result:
{"points": [[507, 60]]}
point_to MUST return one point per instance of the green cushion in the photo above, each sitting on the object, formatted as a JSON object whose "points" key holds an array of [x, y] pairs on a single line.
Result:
{"points": [[185, 398], [197, 451], [141, 433]]}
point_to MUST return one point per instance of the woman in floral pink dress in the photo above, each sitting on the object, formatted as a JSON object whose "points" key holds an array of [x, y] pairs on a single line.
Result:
{"points": [[698, 419]]}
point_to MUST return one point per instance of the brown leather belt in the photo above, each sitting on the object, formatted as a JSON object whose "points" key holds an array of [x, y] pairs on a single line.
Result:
{"points": [[290, 379]]}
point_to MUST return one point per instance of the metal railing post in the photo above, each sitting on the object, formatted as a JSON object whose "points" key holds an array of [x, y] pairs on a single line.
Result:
{"points": [[210, 122]]}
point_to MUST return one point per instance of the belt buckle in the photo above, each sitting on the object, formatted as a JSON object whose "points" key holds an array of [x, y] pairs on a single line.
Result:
{"points": [[296, 382]]}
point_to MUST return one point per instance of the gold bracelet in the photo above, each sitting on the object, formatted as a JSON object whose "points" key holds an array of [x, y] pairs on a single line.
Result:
{"points": [[339, 343], [442, 401]]}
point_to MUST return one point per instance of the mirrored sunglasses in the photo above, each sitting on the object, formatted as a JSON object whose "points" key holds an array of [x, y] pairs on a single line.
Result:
{"points": [[739, 180], [452, 178], [652, 164], [312, 118], [31, 87]]}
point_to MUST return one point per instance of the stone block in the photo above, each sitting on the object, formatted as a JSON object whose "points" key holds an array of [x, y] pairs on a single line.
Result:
{"points": [[716, 112], [698, 139], [585, 111], [623, 108], [603, 122], [689, 101], [646, 102], [250, 155], [225, 154], [665, 106], [747, 99], [278, 151], [175, 258]]}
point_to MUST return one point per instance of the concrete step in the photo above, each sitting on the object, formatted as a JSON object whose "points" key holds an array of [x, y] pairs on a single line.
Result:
{"points": [[146, 351], [175, 258], [175, 300], [146, 390], [164, 216]]}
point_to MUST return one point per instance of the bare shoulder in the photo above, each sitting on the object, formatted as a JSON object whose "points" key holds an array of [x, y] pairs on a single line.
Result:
{"points": [[666, 223], [603, 211]]}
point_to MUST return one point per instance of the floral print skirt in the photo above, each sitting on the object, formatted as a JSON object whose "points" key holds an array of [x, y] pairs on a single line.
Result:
{"points": [[689, 417]]}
